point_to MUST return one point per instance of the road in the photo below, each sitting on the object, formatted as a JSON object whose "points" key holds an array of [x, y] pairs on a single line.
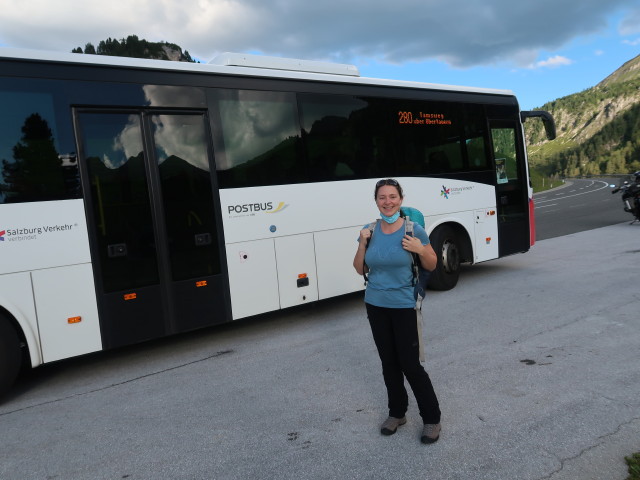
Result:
{"points": [[534, 358], [579, 205]]}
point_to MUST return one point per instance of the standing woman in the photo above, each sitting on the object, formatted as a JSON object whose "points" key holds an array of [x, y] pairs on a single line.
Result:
{"points": [[391, 308]]}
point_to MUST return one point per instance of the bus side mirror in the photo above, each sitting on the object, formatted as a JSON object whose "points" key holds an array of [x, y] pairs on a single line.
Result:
{"points": [[547, 120]]}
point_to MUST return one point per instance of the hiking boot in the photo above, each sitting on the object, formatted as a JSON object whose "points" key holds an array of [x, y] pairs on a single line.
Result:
{"points": [[430, 432], [391, 424]]}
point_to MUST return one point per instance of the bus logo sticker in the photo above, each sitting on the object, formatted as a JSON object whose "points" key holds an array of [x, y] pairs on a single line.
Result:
{"points": [[33, 232], [447, 192], [281, 206], [252, 209]]}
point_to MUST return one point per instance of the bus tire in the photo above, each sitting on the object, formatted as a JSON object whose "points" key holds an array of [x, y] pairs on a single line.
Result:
{"points": [[10, 355], [447, 246]]}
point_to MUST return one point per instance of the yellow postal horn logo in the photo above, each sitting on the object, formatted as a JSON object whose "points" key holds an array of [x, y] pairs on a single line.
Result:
{"points": [[281, 206]]}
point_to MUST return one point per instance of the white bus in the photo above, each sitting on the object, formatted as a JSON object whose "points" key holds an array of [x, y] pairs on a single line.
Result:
{"points": [[141, 198]]}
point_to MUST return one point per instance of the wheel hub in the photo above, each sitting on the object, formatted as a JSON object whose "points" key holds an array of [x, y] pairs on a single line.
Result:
{"points": [[450, 257]]}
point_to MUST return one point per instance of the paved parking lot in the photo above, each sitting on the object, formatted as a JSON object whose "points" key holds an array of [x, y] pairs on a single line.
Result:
{"points": [[534, 358]]}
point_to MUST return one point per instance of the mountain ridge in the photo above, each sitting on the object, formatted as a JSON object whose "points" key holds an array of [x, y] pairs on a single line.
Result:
{"points": [[628, 71]]}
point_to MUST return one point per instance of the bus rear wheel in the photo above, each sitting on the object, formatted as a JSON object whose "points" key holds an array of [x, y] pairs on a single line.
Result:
{"points": [[446, 244], [10, 355]]}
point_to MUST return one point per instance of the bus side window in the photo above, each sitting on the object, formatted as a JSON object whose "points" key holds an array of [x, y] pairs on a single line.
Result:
{"points": [[345, 137], [429, 138], [261, 136], [438, 162], [32, 168], [475, 133], [505, 154], [477, 153]]}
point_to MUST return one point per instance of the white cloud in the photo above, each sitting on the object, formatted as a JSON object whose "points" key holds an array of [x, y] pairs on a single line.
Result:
{"points": [[463, 33], [554, 62], [630, 25], [633, 43]]}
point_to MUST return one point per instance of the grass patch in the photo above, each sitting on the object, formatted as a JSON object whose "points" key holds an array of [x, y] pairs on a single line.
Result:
{"points": [[541, 153], [541, 182], [634, 466]]}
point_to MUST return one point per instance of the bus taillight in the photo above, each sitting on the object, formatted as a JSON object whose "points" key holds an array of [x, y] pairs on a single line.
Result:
{"points": [[532, 223]]}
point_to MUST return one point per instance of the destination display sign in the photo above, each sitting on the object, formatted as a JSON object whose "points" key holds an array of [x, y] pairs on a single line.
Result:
{"points": [[422, 118]]}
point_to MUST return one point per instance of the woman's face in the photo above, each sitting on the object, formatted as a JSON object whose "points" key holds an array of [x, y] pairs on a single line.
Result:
{"points": [[388, 200]]}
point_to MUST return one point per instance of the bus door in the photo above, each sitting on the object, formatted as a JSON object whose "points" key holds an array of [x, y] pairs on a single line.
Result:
{"points": [[155, 236], [511, 188]]}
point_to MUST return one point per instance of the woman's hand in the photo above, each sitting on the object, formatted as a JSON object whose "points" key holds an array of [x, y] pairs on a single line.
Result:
{"points": [[428, 258], [365, 235], [412, 244], [358, 260]]}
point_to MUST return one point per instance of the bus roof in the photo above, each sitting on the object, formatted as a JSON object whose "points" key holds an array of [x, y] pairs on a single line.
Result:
{"points": [[241, 65]]}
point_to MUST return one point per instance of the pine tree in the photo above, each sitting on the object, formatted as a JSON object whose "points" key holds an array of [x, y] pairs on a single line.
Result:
{"points": [[35, 172]]}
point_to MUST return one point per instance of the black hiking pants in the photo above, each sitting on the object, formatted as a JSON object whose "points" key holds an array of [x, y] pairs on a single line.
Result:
{"points": [[395, 333]]}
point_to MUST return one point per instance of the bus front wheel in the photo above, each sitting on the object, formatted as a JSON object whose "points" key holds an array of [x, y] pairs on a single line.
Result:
{"points": [[446, 244], [10, 355]]}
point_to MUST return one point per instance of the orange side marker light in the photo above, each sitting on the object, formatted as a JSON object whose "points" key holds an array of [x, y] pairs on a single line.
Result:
{"points": [[130, 296], [72, 320]]}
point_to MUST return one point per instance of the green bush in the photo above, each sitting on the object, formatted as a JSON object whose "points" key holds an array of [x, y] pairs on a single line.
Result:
{"points": [[634, 466]]}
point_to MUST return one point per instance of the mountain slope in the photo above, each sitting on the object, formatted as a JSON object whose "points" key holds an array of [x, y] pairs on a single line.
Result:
{"points": [[629, 71], [597, 128]]}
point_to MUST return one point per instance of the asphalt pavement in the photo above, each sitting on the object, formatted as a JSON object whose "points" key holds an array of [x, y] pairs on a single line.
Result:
{"points": [[534, 357], [578, 205]]}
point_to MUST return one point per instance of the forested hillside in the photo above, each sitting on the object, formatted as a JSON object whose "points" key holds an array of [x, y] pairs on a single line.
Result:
{"points": [[132, 46], [598, 129]]}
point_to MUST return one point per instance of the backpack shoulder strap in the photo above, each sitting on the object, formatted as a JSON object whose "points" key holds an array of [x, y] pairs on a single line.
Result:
{"points": [[408, 227], [415, 261], [372, 228]]}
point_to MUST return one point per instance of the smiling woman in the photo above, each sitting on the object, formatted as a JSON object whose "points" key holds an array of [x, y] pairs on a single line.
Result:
{"points": [[388, 258]]}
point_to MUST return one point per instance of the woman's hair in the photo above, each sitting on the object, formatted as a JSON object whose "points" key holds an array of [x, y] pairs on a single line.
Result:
{"points": [[388, 181]]}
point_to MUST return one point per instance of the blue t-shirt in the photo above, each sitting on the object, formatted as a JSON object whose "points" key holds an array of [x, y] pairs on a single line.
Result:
{"points": [[390, 274]]}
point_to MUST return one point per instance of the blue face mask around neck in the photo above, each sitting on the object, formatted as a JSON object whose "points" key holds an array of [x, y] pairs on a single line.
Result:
{"points": [[392, 218]]}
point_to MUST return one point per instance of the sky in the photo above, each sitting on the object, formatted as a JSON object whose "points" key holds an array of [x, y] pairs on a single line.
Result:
{"points": [[541, 50]]}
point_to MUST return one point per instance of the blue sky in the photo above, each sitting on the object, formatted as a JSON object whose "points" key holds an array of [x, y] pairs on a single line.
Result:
{"points": [[542, 49], [579, 64]]}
